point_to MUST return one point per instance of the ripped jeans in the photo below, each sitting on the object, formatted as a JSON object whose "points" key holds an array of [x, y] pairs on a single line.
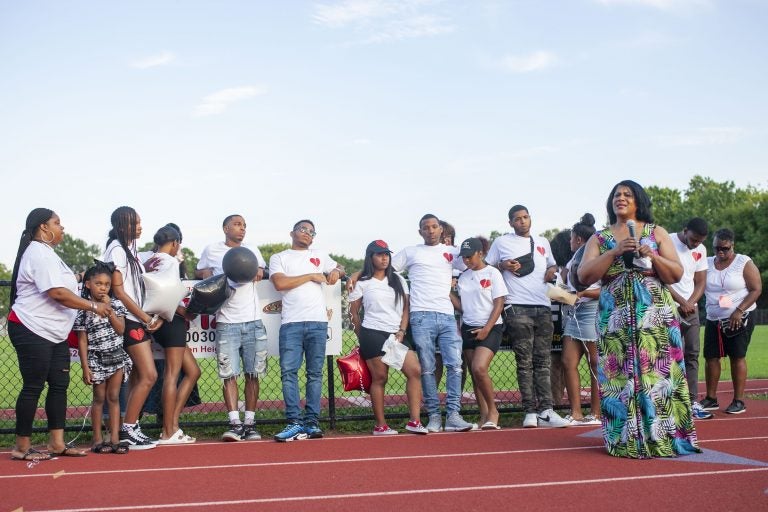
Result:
{"points": [[246, 341], [40, 361]]}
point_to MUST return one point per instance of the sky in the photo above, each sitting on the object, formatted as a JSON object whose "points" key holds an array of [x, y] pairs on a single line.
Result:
{"points": [[363, 115]]}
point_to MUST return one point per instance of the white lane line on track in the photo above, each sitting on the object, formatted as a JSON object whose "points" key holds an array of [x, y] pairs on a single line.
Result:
{"points": [[407, 492], [341, 461]]}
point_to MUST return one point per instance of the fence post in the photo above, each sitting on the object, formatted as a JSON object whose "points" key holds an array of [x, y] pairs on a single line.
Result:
{"points": [[331, 394]]}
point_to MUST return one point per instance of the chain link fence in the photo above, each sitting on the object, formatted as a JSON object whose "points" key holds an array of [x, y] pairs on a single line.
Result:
{"points": [[206, 407]]}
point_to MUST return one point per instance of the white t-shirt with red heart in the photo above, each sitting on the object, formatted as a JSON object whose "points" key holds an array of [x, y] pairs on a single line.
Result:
{"points": [[693, 260], [529, 290], [430, 270], [305, 303], [477, 290]]}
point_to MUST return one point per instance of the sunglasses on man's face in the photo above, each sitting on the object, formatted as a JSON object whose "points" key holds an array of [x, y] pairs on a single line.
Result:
{"points": [[722, 248]]}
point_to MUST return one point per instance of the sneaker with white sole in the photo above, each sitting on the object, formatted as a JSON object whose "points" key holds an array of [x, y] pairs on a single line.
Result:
{"points": [[250, 433], [455, 423], [698, 412], [435, 423], [312, 431], [129, 436], [144, 436], [235, 433], [590, 420], [709, 404], [531, 420], [415, 427], [384, 430], [736, 407], [549, 418], [292, 432]]}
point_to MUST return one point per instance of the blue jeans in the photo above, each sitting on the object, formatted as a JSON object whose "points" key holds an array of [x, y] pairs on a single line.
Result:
{"points": [[246, 341], [426, 328], [299, 340]]}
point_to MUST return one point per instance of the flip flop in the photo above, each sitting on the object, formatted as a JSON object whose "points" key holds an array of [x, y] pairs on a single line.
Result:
{"points": [[103, 447], [32, 455], [489, 425], [120, 448], [69, 452]]}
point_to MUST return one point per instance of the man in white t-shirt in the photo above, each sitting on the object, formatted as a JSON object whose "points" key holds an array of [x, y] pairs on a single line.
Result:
{"points": [[687, 292], [430, 271], [527, 265], [240, 333], [299, 274]]}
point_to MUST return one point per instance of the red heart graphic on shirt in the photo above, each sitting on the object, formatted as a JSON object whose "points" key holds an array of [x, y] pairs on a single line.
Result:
{"points": [[136, 334], [485, 283], [540, 249], [696, 256], [315, 261], [448, 256]]}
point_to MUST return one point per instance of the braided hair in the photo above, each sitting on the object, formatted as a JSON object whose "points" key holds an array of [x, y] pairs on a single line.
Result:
{"points": [[99, 267], [124, 220], [35, 218]]}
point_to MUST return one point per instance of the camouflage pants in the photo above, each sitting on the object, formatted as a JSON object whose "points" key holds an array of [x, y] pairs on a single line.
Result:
{"points": [[530, 329]]}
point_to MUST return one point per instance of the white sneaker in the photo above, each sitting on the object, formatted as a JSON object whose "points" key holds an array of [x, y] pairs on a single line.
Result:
{"points": [[590, 420], [455, 423], [531, 420], [549, 418], [435, 423]]}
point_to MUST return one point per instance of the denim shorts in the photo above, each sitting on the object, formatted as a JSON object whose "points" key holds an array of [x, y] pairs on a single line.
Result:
{"points": [[246, 341], [581, 321]]}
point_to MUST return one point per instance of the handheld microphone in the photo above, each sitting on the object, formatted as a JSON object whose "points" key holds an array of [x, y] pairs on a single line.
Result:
{"points": [[631, 227]]}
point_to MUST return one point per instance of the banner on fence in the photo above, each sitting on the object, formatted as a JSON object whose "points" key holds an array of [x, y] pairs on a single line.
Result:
{"points": [[201, 334]]}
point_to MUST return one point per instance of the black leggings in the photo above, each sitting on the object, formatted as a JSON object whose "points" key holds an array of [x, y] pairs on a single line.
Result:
{"points": [[40, 361]]}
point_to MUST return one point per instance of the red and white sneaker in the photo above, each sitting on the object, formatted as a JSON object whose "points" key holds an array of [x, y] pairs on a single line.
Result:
{"points": [[415, 427]]}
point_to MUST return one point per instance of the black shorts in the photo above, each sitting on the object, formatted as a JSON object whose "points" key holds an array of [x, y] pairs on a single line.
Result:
{"points": [[134, 334], [717, 344], [172, 334], [491, 342], [372, 340]]}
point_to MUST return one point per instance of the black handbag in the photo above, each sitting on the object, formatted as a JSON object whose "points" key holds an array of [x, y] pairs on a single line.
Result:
{"points": [[725, 326], [526, 263]]}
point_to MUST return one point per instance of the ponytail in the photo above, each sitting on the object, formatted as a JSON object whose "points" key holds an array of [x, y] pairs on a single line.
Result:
{"points": [[34, 219]]}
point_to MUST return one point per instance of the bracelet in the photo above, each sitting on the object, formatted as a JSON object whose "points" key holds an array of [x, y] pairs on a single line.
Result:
{"points": [[93, 307], [738, 308]]}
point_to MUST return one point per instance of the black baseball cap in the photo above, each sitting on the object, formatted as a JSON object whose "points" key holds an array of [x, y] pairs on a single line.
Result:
{"points": [[377, 247], [470, 246]]}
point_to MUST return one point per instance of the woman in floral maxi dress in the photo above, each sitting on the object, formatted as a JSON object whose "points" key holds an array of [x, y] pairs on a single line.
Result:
{"points": [[644, 396]]}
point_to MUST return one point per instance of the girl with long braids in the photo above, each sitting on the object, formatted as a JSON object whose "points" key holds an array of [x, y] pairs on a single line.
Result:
{"points": [[44, 302], [172, 337], [128, 288], [105, 363]]}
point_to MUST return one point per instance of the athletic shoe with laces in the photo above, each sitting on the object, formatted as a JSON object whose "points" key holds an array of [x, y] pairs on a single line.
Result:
{"points": [[384, 430], [415, 427], [698, 412], [455, 423], [590, 419], [435, 423], [313, 431], [531, 420], [250, 433], [129, 436], [235, 432], [549, 418], [736, 407], [144, 436], [709, 404], [293, 431]]}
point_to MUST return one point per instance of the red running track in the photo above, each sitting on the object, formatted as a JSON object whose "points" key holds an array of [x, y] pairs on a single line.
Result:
{"points": [[512, 469]]}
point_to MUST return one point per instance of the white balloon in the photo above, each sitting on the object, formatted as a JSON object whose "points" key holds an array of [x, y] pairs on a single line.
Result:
{"points": [[164, 291]]}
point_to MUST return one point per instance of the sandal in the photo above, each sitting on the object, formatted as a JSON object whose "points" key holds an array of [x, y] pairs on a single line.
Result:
{"points": [[120, 448], [69, 452], [103, 447], [32, 455]]}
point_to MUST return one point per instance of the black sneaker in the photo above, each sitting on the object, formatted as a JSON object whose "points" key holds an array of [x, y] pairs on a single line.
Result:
{"points": [[736, 407], [250, 433], [235, 432], [709, 404], [134, 439]]}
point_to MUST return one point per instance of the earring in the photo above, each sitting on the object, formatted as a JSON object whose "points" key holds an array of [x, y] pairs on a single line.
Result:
{"points": [[48, 242]]}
